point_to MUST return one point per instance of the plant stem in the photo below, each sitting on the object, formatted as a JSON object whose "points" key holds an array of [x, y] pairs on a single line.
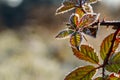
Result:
{"points": [[116, 24], [110, 51]]}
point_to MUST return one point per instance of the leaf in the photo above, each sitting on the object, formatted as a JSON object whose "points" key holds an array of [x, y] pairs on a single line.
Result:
{"points": [[87, 8], [99, 78], [114, 63], [82, 73], [113, 67], [79, 11], [86, 53], [64, 34], [88, 19], [89, 1], [76, 39], [65, 7], [74, 18], [92, 1], [113, 77], [91, 31], [106, 44], [118, 37], [115, 58]]}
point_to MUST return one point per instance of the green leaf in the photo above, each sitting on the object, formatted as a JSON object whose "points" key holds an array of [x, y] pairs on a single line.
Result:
{"points": [[86, 53], [113, 67], [99, 78], [114, 63], [82, 73], [106, 44], [113, 78], [115, 58], [76, 39], [88, 19], [65, 7], [64, 34]]}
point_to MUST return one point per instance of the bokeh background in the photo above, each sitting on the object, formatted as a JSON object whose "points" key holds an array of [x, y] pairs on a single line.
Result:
{"points": [[28, 48]]}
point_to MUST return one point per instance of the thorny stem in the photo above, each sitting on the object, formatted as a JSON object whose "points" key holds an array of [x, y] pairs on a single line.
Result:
{"points": [[80, 1], [116, 25], [103, 72], [110, 50]]}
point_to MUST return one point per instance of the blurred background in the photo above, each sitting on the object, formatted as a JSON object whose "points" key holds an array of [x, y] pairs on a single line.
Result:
{"points": [[28, 48]]}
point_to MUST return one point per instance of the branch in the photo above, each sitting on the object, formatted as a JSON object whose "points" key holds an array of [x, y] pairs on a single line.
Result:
{"points": [[115, 24], [110, 50]]}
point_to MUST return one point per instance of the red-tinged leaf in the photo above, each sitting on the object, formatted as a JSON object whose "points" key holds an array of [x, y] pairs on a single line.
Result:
{"points": [[64, 34], [76, 39], [88, 8], [86, 53], [113, 77], [79, 11], [118, 37], [88, 19], [82, 73], [106, 44], [114, 63], [65, 7], [74, 18]]}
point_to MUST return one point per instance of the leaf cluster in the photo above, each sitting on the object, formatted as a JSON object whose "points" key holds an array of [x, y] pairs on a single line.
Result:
{"points": [[81, 22]]}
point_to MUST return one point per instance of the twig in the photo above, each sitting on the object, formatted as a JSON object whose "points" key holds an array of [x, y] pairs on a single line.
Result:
{"points": [[116, 24], [110, 51]]}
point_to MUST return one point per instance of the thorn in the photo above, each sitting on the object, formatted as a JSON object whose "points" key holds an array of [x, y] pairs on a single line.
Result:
{"points": [[103, 19], [98, 23], [107, 26], [85, 38], [68, 24], [78, 48], [92, 25], [98, 20]]}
